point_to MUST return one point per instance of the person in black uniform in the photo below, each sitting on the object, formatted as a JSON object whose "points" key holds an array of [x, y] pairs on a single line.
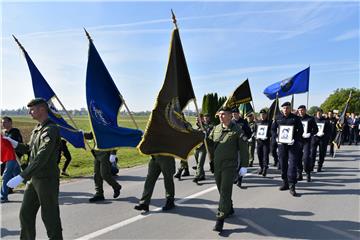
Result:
{"points": [[243, 124], [288, 152], [321, 139], [309, 131], [333, 121], [65, 151], [263, 142]]}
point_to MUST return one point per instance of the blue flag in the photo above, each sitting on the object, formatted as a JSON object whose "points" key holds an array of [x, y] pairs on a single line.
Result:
{"points": [[103, 102], [296, 84], [43, 90]]}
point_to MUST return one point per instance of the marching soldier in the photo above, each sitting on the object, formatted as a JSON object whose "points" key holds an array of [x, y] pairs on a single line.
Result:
{"points": [[252, 139], [159, 164], [42, 175], [228, 141], [321, 139], [309, 131], [102, 171], [200, 152], [289, 151], [183, 171], [263, 134], [333, 121]]}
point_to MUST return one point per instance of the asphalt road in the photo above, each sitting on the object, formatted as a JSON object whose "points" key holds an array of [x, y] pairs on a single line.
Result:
{"points": [[328, 207]]}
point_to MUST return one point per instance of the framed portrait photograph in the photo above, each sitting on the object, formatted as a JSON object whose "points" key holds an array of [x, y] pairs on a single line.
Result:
{"points": [[286, 133], [261, 132], [305, 126], [320, 127]]}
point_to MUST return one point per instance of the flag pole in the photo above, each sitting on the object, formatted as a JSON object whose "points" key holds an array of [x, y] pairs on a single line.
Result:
{"points": [[196, 106], [69, 116], [67, 113], [128, 110]]}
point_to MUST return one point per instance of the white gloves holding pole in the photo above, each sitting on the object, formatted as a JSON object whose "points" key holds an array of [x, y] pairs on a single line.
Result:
{"points": [[112, 158], [15, 181]]}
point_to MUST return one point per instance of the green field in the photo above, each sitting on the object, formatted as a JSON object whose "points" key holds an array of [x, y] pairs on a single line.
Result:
{"points": [[82, 160]]}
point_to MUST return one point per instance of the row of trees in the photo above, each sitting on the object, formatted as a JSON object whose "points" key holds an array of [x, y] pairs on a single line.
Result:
{"points": [[210, 104]]}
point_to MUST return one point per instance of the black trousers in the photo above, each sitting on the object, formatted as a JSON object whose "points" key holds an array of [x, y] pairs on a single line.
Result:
{"points": [[67, 156], [320, 142], [263, 150], [288, 157], [353, 137], [305, 157], [273, 149]]}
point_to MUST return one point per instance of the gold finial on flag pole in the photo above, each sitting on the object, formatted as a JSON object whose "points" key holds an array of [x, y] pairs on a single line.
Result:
{"points": [[174, 19]]}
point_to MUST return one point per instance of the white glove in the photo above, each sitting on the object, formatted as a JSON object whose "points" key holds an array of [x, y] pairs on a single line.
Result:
{"points": [[320, 134], [306, 135], [292, 142], [12, 141], [15, 181], [250, 140], [243, 171], [112, 158]]}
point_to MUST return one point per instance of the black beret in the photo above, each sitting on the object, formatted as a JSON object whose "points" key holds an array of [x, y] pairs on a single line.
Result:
{"points": [[225, 109], [263, 111], [319, 110], [206, 115], [235, 110], [301, 106], [36, 101], [285, 104]]}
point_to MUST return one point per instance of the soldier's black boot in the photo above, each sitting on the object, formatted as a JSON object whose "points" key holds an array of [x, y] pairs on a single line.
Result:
{"points": [[97, 198], [178, 173], [299, 177], [264, 172], [260, 171], [239, 182], [219, 225], [292, 190], [117, 192], [211, 166], [284, 186], [186, 172], [142, 207], [308, 177], [319, 168], [169, 204]]}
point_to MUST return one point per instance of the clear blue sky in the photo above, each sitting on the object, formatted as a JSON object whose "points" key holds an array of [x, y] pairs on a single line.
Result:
{"points": [[224, 44]]}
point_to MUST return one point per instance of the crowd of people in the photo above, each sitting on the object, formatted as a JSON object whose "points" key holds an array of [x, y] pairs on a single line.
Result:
{"points": [[293, 138]]}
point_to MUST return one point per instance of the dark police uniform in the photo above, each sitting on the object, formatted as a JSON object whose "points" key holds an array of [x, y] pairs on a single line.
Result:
{"points": [[332, 122], [251, 143], [305, 156], [42, 174], [288, 154], [159, 164], [263, 147], [322, 142], [227, 144]]}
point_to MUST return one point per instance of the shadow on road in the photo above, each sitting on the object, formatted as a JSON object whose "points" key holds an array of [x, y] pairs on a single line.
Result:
{"points": [[5, 232]]}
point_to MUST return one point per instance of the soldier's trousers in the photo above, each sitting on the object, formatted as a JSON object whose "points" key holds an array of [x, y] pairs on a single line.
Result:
{"points": [[305, 157], [273, 149], [102, 171], [288, 157], [353, 136], [224, 178], [251, 148], [263, 149], [322, 143], [184, 164], [45, 193], [155, 167], [200, 156]]}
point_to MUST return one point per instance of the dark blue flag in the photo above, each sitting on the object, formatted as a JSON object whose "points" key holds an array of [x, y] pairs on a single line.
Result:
{"points": [[296, 84], [104, 101], [43, 90]]}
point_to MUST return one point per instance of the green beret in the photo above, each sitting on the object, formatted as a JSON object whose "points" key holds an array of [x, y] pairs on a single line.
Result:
{"points": [[36, 101], [263, 111], [225, 109]]}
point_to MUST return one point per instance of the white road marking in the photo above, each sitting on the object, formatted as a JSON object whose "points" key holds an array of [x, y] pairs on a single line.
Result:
{"points": [[140, 217], [337, 231]]}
